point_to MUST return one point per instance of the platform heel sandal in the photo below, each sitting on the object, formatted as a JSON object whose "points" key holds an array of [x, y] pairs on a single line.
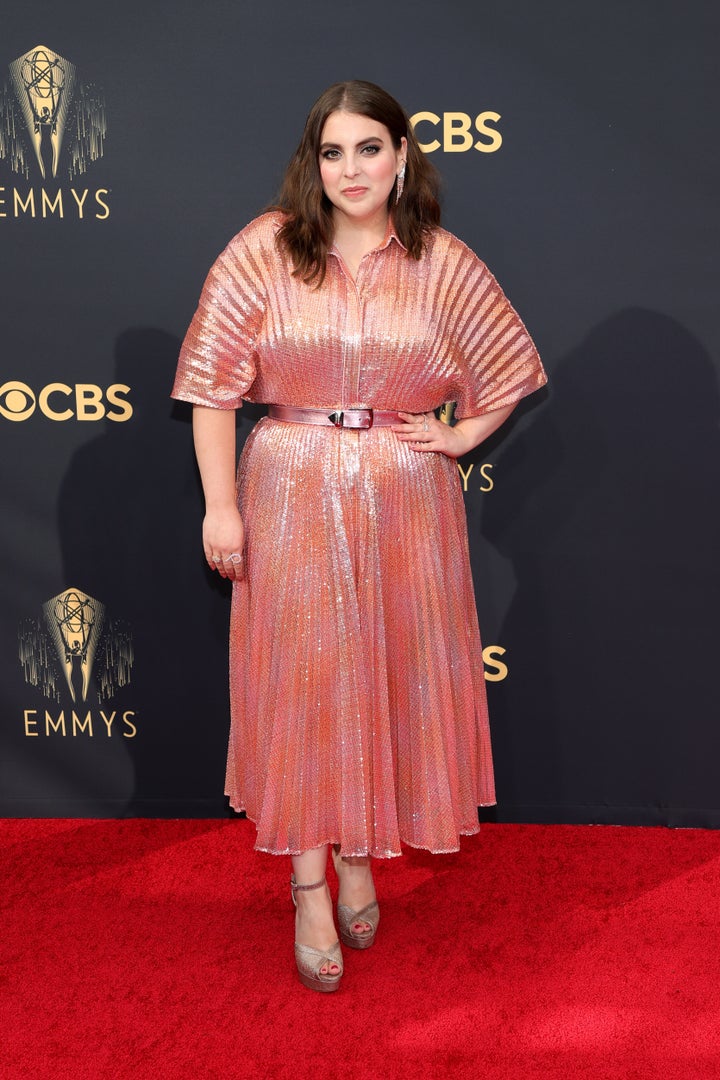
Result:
{"points": [[369, 914], [309, 960]]}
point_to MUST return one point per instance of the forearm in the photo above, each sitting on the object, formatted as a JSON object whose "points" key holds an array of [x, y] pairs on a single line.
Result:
{"points": [[214, 436], [475, 429]]}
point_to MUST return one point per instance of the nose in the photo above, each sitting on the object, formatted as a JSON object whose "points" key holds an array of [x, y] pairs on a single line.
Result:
{"points": [[352, 166]]}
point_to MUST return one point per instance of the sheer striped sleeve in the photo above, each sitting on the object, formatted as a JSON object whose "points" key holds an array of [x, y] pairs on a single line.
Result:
{"points": [[498, 361], [217, 362]]}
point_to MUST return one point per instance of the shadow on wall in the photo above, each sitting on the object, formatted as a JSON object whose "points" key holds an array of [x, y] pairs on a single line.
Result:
{"points": [[130, 519], [609, 513]]}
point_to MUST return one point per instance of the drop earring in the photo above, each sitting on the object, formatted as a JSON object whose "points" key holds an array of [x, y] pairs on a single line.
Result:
{"points": [[400, 183]]}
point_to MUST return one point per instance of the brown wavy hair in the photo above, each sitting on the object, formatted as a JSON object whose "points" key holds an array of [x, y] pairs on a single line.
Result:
{"points": [[307, 232]]}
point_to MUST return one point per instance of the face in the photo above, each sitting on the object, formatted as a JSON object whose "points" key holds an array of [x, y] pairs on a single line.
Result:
{"points": [[358, 166]]}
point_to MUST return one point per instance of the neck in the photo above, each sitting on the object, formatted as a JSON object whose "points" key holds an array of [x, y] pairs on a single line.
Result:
{"points": [[368, 231]]}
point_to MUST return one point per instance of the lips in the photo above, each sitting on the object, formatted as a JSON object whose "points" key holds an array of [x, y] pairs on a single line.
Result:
{"points": [[354, 190]]}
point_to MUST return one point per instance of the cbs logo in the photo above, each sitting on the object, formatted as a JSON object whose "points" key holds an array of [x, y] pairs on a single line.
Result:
{"points": [[57, 401], [457, 132]]}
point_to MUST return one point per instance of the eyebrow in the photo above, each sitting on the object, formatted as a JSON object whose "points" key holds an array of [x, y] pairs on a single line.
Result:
{"points": [[363, 142]]}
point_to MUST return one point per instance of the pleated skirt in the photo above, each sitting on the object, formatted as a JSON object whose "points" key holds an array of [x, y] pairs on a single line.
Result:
{"points": [[358, 709]]}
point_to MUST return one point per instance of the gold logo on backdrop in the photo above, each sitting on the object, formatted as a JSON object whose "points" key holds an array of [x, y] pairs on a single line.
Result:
{"points": [[480, 475], [456, 132], [44, 83], [52, 127], [496, 670], [75, 621], [53, 104], [71, 648], [58, 401], [72, 637]]}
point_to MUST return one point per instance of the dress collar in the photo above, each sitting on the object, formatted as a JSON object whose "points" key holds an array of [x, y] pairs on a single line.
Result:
{"points": [[390, 234]]}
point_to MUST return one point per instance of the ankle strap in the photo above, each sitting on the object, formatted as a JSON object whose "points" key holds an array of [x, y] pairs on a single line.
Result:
{"points": [[304, 888]]}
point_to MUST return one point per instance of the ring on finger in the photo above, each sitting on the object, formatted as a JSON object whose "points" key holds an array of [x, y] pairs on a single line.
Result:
{"points": [[426, 426]]}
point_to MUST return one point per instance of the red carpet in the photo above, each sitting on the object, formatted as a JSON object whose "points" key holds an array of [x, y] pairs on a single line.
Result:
{"points": [[162, 949]]}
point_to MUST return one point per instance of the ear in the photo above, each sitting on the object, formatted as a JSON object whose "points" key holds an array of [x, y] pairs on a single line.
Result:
{"points": [[402, 152]]}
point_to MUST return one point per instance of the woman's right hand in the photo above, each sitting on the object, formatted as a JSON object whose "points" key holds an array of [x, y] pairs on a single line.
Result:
{"points": [[223, 542]]}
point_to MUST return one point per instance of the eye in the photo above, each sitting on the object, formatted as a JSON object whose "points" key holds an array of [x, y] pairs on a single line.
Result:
{"points": [[371, 149], [330, 155]]}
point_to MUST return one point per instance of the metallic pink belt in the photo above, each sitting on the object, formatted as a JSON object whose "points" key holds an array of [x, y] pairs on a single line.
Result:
{"points": [[345, 418]]}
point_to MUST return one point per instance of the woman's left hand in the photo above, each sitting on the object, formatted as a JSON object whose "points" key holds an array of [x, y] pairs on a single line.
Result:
{"points": [[425, 432]]}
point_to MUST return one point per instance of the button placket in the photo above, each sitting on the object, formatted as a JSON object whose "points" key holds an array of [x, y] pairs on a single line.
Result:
{"points": [[352, 345]]}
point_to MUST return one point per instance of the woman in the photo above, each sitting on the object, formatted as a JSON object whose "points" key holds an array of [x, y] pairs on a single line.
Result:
{"points": [[358, 706]]}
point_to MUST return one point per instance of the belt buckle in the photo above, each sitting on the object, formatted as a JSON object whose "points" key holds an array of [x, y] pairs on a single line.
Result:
{"points": [[358, 419]]}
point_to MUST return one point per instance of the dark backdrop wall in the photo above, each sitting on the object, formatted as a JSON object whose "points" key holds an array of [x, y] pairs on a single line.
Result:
{"points": [[578, 148]]}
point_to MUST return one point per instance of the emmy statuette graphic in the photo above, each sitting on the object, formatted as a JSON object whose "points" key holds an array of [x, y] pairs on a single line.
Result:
{"points": [[44, 83], [75, 621]]}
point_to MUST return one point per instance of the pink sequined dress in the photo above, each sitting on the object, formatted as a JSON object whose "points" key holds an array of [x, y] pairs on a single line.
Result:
{"points": [[356, 675]]}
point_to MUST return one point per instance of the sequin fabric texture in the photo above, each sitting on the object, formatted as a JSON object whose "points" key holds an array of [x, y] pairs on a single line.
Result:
{"points": [[356, 676]]}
